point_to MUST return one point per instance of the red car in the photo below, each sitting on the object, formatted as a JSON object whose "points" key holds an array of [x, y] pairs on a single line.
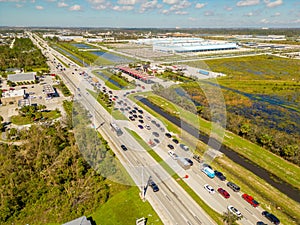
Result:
{"points": [[223, 192], [250, 199]]}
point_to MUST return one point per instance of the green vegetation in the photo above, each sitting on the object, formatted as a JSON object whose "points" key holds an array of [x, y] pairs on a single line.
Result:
{"points": [[123, 82], [62, 87], [30, 114], [124, 208], [213, 214], [168, 74], [23, 55]]}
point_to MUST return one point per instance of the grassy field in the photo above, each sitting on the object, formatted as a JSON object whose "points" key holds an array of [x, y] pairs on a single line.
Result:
{"points": [[124, 208], [23, 120]]}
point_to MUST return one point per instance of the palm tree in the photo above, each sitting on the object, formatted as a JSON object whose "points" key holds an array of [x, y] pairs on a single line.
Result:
{"points": [[229, 218]]}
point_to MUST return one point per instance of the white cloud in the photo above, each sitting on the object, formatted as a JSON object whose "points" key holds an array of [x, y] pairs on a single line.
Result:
{"points": [[192, 19], [19, 5], [272, 4], [127, 2], [227, 8], [181, 12], [75, 8], [248, 2], [39, 7], [276, 14], [264, 21], [296, 21], [149, 5], [171, 2], [96, 1], [165, 11], [200, 5], [249, 14], [62, 4], [122, 8], [182, 5], [209, 13]]}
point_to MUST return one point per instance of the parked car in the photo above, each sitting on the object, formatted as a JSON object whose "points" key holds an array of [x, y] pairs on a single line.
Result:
{"points": [[209, 172], [206, 165], [224, 193], [209, 188], [155, 134], [233, 186], [250, 200], [172, 154], [197, 158], [261, 223], [189, 161], [153, 185], [220, 175], [271, 217], [124, 147], [234, 211], [170, 146], [184, 147], [175, 141], [168, 135], [140, 126], [147, 127]]}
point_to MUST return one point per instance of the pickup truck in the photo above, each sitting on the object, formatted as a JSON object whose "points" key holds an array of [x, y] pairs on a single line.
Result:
{"points": [[250, 200]]}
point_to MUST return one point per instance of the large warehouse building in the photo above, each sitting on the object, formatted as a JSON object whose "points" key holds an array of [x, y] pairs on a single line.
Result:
{"points": [[181, 45]]}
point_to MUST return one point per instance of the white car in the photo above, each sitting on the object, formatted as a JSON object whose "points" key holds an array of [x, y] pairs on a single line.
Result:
{"points": [[209, 188], [147, 127], [234, 211], [172, 154]]}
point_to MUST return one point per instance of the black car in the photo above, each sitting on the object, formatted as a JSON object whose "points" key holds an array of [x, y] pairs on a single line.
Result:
{"points": [[220, 175], [124, 147], [261, 223], [153, 185], [141, 121], [155, 134], [175, 141], [133, 111], [156, 140], [134, 115], [168, 135], [140, 116], [170, 146], [189, 161], [271, 217], [140, 111], [131, 118], [233, 186]]}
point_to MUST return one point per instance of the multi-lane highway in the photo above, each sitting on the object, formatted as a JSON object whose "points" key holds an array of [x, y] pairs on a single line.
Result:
{"points": [[171, 202]]}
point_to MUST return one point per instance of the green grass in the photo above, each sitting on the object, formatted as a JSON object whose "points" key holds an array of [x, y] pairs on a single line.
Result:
{"points": [[51, 115], [213, 214], [124, 208], [21, 120]]}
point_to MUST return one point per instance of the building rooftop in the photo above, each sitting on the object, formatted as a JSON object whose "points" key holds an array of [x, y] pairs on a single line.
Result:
{"points": [[19, 77], [13, 93], [79, 221], [48, 89]]}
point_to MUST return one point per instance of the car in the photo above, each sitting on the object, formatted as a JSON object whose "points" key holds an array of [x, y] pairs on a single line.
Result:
{"points": [[224, 193], [271, 217], [147, 127], [233, 186], [184, 147], [209, 188], [124, 147], [153, 185], [234, 211], [162, 129], [170, 146], [133, 111], [141, 121], [140, 116], [156, 140], [189, 161], [250, 200], [175, 141], [172, 154], [206, 165], [220, 175], [168, 135], [148, 117], [140, 111], [197, 158], [261, 223], [140, 126], [155, 134], [131, 118], [134, 115]]}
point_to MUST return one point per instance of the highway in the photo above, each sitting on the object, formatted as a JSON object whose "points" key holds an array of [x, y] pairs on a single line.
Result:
{"points": [[171, 202]]}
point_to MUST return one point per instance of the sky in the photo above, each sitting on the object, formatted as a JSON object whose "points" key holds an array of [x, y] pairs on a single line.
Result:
{"points": [[151, 13]]}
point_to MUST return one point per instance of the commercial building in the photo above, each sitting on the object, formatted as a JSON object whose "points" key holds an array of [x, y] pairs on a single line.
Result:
{"points": [[136, 74], [49, 90], [186, 44], [22, 77], [12, 96]]}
